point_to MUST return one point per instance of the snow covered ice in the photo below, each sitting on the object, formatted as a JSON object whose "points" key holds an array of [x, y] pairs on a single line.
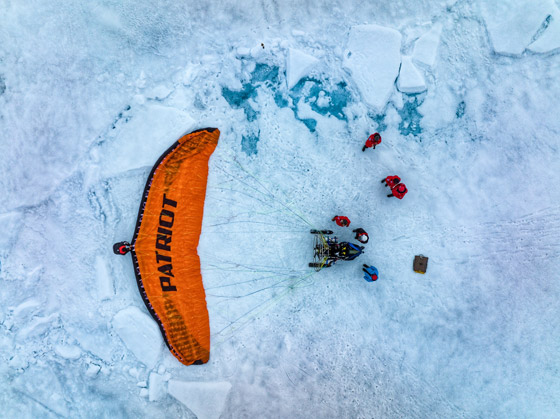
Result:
{"points": [[465, 95], [550, 39], [140, 335], [298, 65], [410, 79], [205, 399], [425, 48], [373, 59], [512, 29]]}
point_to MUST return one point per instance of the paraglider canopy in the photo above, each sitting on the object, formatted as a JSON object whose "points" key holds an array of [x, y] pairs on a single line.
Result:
{"points": [[164, 247]]}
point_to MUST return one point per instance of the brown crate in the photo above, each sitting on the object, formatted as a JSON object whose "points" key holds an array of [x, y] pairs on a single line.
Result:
{"points": [[420, 264]]}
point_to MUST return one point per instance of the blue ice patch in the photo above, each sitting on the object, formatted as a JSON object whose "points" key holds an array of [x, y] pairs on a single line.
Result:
{"points": [[326, 101], [311, 124], [280, 100], [460, 110], [264, 73], [410, 117], [324, 98], [379, 119], [339, 98], [238, 99], [249, 144]]}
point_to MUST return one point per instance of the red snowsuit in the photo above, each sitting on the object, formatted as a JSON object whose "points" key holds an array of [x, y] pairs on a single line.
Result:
{"points": [[399, 191], [372, 141], [361, 235], [341, 221], [392, 181]]}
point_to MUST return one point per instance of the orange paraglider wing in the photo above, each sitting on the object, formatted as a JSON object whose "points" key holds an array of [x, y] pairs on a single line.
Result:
{"points": [[164, 247]]}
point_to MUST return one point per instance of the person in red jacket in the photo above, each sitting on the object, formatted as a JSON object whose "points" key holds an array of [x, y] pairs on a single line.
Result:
{"points": [[121, 248], [398, 191], [361, 235], [391, 181], [372, 141], [341, 221]]}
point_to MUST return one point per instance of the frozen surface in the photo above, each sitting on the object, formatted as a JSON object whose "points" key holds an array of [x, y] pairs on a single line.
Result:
{"points": [[512, 25], [550, 38], [10, 225], [68, 351], [206, 400], [140, 334], [157, 386], [105, 288], [410, 78], [373, 58], [426, 47], [298, 65], [140, 139], [92, 93]]}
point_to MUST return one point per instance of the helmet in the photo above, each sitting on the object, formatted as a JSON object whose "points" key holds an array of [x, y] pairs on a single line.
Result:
{"points": [[374, 277], [376, 136], [363, 238]]}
